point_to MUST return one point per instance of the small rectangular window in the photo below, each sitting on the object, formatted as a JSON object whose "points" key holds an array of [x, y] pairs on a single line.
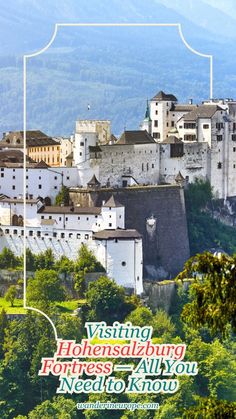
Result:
{"points": [[205, 126], [219, 137], [40, 186]]}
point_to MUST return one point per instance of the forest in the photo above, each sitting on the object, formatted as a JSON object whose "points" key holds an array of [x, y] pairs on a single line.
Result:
{"points": [[203, 317]]}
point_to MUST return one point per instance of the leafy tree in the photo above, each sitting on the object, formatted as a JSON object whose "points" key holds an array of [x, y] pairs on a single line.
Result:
{"points": [[211, 409], [45, 260], [45, 286], [63, 196], [106, 300], [85, 263], [3, 326], [198, 195], [10, 295], [64, 265], [30, 260], [213, 292], [141, 316], [8, 260], [160, 321]]}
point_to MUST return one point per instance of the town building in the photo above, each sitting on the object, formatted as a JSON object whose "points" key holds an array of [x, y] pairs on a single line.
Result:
{"points": [[63, 229]]}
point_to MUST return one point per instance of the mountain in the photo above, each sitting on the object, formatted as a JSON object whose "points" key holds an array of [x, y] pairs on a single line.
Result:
{"points": [[113, 69]]}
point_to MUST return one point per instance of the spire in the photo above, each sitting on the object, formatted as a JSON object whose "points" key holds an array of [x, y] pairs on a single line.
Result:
{"points": [[147, 113]]}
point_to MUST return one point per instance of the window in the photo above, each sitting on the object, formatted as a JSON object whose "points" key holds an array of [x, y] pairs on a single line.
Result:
{"points": [[234, 149], [155, 123], [55, 187], [189, 125], [167, 124], [13, 187], [55, 177], [13, 177], [219, 137], [59, 218], [87, 218], [110, 224], [86, 236], [167, 113], [233, 137], [39, 186], [78, 218], [38, 233], [30, 233], [219, 125], [78, 235], [147, 166], [82, 143], [123, 263], [142, 167], [234, 126], [156, 112], [234, 166], [50, 217], [42, 217], [156, 135], [219, 165], [54, 234], [172, 123], [153, 166], [68, 177], [14, 231], [189, 138], [66, 218], [2, 174], [7, 231], [205, 126], [62, 235]]}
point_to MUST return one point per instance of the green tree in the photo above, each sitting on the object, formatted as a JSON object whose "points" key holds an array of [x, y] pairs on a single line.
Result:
{"points": [[212, 293], [106, 300], [85, 263], [63, 196], [46, 287], [160, 321], [8, 260], [198, 195], [45, 260], [10, 295], [64, 265], [30, 260], [3, 326], [211, 409]]}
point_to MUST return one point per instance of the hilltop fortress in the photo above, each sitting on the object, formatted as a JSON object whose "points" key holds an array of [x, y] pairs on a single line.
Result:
{"points": [[126, 193]]}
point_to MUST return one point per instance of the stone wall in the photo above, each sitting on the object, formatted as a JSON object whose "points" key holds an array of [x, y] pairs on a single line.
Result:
{"points": [[162, 295], [165, 244]]}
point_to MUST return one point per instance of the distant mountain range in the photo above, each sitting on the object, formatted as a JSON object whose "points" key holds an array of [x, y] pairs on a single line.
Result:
{"points": [[112, 69]]}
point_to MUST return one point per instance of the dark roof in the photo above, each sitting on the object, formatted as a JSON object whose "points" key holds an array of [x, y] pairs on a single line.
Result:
{"points": [[179, 177], [135, 137], [164, 96], [41, 165], [172, 139], [117, 234], [202, 111], [112, 203], [93, 181], [39, 142], [13, 156], [184, 107], [71, 210]]}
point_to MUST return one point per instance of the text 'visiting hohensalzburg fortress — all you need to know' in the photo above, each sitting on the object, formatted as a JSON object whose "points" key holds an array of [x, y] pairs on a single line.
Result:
{"points": [[125, 195]]}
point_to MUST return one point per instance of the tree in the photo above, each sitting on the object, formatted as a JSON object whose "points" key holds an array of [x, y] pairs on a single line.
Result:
{"points": [[11, 294], [212, 409], [212, 292], [63, 196], [30, 260], [45, 260], [45, 286], [8, 260], [85, 263], [106, 300], [198, 195], [3, 325], [64, 265]]}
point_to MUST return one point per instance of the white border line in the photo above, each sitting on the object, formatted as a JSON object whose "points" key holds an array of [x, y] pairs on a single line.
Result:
{"points": [[27, 56]]}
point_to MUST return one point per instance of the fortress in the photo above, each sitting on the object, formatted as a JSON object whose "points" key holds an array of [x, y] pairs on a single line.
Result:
{"points": [[139, 175]]}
